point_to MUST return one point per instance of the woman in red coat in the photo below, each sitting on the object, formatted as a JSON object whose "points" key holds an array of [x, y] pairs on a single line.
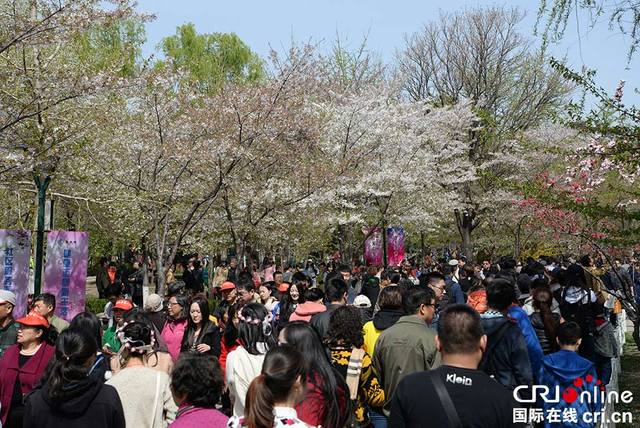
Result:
{"points": [[22, 366]]}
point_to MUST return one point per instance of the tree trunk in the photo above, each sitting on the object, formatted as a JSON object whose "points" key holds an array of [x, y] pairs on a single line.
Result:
{"points": [[466, 222]]}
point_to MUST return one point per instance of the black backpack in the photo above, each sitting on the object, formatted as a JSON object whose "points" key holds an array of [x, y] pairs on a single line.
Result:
{"points": [[487, 364], [578, 312]]}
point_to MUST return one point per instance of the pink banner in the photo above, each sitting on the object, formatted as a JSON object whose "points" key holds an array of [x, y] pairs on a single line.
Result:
{"points": [[15, 250], [65, 273], [395, 246], [373, 246]]}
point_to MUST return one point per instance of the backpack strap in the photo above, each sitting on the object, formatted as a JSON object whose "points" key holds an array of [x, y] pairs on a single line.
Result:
{"points": [[353, 372], [495, 338], [445, 400]]}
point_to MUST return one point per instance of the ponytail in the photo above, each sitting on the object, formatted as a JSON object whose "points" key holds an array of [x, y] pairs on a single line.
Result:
{"points": [[259, 404], [542, 301]]}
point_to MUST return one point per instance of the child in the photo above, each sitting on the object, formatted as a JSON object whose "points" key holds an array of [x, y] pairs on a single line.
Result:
{"points": [[573, 375]]}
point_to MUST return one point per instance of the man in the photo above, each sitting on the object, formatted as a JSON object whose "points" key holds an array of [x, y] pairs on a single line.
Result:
{"points": [[478, 400], [277, 278], [192, 277], [409, 345], [245, 291], [352, 290], [336, 293], [434, 281], [486, 269], [229, 297], [45, 305], [102, 279], [233, 270], [506, 357], [8, 326], [567, 370], [110, 341], [135, 280], [452, 281], [288, 274]]}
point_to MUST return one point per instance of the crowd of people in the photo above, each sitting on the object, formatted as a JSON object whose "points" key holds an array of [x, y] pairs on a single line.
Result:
{"points": [[448, 344]]}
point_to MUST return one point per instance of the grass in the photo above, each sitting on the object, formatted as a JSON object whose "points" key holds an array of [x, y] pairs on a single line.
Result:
{"points": [[629, 380]]}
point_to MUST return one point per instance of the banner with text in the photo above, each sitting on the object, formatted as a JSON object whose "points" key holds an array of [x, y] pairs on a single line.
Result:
{"points": [[395, 245], [373, 246], [65, 273], [15, 250]]}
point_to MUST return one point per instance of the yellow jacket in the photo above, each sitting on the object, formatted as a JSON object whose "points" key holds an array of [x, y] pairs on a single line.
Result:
{"points": [[371, 335]]}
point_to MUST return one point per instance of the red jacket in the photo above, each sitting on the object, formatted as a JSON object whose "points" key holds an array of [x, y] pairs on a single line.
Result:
{"points": [[224, 352], [30, 373]]}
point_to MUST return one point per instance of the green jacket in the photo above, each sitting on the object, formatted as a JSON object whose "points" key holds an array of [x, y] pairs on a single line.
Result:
{"points": [[110, 338], [8, 336], [406, 347]]}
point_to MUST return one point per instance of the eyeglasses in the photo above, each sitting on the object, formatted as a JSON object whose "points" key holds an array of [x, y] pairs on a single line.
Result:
{"points": [[174, 303]]}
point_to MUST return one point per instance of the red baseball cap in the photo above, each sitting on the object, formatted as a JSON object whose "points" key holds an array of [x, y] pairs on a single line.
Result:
{"points": [[227, 285], [284, 287], [33, 319], [123, 304]]}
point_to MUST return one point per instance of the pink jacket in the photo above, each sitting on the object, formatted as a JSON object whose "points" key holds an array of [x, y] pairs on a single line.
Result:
{"points": [[306, 310], [189, 417], [172, 333]]}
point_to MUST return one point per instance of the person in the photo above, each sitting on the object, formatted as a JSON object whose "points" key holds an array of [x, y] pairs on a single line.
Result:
{"points": [[506, 357], [409, 345], [8, 326], [605, 345], [173, 330], [534, 350], [477, 298], [102, 278], [364, 306], [344, 339], [22, 366], [273, 394], [196, 385], [229, 297], [110, 342], [159, 358], [571, 373], [544, 320], [232, 274], [325, 403], [45, 305], [154, 308], [371, 283], [201, 335], [265, 291], [288, 304], [245, 290], [71, 397], [256, 337], [88, 322], [336, 293], [135, 281], [144, 392], [313, 298], [478, 401], [436, 282], [390, 302], [229, 340], [192, 277]]}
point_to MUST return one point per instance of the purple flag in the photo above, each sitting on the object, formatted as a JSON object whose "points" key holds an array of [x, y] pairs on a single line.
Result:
{"points": [[395, 245], [15, 250], [373, 246], [65, 274]]}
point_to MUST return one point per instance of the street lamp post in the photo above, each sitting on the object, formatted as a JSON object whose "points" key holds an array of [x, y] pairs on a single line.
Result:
{"points": [[42, 185]]}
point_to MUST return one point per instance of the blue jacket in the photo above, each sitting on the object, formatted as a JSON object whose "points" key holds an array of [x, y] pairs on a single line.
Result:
{"points": [[530, 337], [510, 358], [563, 369], [457, 296]]}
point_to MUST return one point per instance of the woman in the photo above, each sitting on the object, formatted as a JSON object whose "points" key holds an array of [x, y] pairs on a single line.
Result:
{"points": [[201, 335], [229, 340], [173, 330], [577, 304], [287, 306], [272, 396], [22, 366], [390, 302], [159, 358], [143, 391], [544, 321], [196, 384], [313, 305], [72, 397], [326, 401], [266, 296], [256, 337], [91, 324], [345, 342]]}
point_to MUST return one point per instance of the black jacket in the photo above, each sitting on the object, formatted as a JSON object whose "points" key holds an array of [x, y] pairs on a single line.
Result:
{"points": [[321, 321], [209, 335], [385, 318], [89, 403]]}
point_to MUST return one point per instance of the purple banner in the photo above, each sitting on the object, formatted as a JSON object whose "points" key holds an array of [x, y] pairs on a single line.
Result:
{"points": [[395, 245], [65, 273], [15, 250], [373, 246]]}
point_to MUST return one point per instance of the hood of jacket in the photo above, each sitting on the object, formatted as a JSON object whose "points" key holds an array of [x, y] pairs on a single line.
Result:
{"points": [[566, 366], [310, 308], [385, 318], [76, 397]]}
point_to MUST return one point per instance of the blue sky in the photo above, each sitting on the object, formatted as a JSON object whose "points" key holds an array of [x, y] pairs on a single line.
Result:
{"points": [[274, 24]]}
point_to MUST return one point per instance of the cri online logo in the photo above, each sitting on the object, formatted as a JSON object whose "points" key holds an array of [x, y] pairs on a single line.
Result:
{"points": [[571, 393]]}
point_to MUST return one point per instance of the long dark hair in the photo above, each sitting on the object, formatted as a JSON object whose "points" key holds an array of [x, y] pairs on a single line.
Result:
{"points": [[542, 300], [281, 368], [302, 336], [74, 347], [230, 335], [183, 301], [255, 327], [287, 305], [89, 322], [203, 304]]}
